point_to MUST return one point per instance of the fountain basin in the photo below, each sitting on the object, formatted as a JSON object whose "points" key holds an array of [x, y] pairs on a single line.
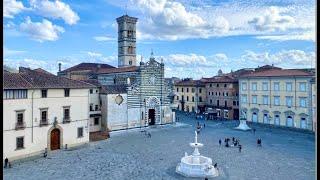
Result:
{"points": [[196, 145], [196, 166], [243, 126]]}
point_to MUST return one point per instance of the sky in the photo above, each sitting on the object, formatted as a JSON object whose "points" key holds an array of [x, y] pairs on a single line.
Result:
{"points": [[195, 38]]}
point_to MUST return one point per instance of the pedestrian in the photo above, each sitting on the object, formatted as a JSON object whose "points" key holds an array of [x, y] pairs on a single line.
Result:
{"points": [[260, 142], [9, 164], [254, 131], [149, 134], [220, 142], [232, 139], [215, 165], [240, 148], [6, 161], [204, 125]]}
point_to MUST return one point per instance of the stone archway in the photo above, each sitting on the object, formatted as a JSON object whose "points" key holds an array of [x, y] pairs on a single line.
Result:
{"points": [[153, 110], [55, 138]]}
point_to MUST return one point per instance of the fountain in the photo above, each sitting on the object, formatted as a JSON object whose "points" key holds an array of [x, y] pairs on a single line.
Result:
{"points": [[196, 165], [243, 122]]}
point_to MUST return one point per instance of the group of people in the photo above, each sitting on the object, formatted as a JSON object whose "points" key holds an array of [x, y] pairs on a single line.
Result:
{"points": [[199, 127], [235, 143]]}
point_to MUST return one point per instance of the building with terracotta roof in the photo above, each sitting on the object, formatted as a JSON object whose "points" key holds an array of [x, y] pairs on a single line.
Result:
{"points": [[281, 97], [190, 95], [43, 111], [222, 97]]}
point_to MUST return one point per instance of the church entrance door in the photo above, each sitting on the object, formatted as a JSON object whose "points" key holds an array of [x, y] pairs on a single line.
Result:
{"points": [[55, 139], [152, 117]]}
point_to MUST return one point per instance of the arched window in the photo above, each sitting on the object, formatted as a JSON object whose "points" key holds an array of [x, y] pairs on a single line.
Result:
{"points": [[254, 117], [303, 123], [289, 121]]}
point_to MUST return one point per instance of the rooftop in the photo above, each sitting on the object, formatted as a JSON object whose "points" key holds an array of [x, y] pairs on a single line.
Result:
{"points": [[87, 66], [35, 79], [114, 89], [190, 82], [277, 73], [118, 70]]}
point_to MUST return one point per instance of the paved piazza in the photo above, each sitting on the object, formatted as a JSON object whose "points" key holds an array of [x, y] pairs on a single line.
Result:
{"points": [[284, 154]]}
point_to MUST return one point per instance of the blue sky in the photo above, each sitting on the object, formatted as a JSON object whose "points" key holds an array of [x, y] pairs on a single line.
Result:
{"points": [[195, 38]]}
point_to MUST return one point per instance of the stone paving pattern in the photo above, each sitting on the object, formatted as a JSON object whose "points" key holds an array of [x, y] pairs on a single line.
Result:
{"points": [[285, 154]]}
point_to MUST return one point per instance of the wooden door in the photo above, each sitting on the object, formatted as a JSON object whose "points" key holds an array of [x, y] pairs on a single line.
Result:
{"points": [[55, 139]]}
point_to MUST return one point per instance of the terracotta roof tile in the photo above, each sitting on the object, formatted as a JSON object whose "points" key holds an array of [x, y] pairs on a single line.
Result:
{"points": [[190, 83], [277, 73], [114, 89], [118, 70], [31, 79], [88, 66], [221, 79]]}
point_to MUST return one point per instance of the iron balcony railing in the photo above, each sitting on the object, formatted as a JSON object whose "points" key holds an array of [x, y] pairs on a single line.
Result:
{"points": [[44, 122]]}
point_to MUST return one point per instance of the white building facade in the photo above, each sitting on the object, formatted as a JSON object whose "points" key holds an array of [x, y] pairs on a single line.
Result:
{"points": [[41, 112]]}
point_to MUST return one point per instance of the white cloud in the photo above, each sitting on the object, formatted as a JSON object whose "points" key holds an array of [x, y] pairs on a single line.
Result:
{"points": [[104, 38], [273, 20], [285, 57], [8, 52], [55, 9], [41, 31], [93, 54], [169, 20], [11, 8], [308, 36]]}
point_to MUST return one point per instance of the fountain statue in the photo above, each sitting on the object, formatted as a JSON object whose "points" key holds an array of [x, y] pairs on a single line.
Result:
{"points": [[243, 122], [196, 165]]}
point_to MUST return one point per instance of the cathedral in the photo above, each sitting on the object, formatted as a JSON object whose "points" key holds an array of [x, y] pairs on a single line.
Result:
{"points": [[131, 95]]}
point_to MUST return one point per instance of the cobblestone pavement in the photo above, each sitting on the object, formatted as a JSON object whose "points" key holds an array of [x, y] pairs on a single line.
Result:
{"points": [[285, 154]]}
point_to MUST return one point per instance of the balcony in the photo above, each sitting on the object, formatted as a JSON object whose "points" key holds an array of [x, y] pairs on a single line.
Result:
{"points": [[66, 120], [20, 125], [44, 122]]}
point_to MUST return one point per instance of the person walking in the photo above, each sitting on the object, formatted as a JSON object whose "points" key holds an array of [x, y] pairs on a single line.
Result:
{"points": [[204, 125], [6, 161], [254, 130], [240, 147], [219, 142]]}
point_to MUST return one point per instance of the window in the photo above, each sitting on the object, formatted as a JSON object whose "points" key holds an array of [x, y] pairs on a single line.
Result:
{"points": [[289, 86], [97, 91], [200, 90], [66, 92], [244, 98], [130, 62], [20, 142], [200, 99], [80, 132], [192, 98], [96, 121], [219, 93], [19, 117], [187, 89], [210, 85], [210, 101], [192, 90], [302, 87], [182, 97], [177, 89], [234, 103], [216, 93], [177, 97], [217, 85], [192, 108], [226, 94], [44, 93], [217, 102], [181, 89], [91, 107], [289, 101], [254, 86], [254, 99], [277, 100], [66, 113], [96, 107], [265, 100], [225, 103], [15, 94], [187, 98], [303, 102], [265, 86], [244, 86], [225, 85], [91, 91], [44, 115], [276, 86], [222, 93]]}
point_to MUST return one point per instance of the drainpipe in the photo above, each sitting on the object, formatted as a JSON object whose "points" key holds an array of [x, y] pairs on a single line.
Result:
{"points": [[32, 116]]}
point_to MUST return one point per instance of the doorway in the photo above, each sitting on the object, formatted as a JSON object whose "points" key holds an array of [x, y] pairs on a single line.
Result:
{"points": [[152, 117], [254, 117], [55, 139], [289, 121]]}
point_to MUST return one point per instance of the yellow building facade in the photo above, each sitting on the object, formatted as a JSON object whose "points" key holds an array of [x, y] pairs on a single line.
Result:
{"points": [[190, 95], [281, 97]]}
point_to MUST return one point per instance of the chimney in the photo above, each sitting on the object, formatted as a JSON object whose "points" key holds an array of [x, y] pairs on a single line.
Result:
{"points": [[59, 67]]}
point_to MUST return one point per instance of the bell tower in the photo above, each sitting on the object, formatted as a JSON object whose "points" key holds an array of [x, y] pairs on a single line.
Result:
{"points": [[126, 41]]}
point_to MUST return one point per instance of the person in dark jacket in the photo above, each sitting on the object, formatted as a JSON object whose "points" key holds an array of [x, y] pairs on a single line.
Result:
{"points": [[220, 142]]}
